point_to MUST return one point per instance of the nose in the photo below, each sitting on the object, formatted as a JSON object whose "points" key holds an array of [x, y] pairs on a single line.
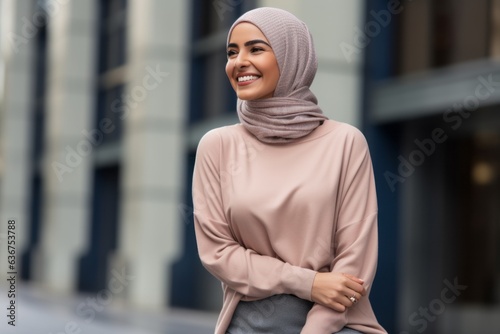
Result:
{"points": [[241, 60]]}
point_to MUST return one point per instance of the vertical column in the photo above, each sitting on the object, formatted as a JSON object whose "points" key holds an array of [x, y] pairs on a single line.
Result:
{"points": [[67, 164], [150, 237], [15, 125]]}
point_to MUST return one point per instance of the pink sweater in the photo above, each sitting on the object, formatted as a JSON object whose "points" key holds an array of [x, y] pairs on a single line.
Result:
{"points": [[269, 216]]}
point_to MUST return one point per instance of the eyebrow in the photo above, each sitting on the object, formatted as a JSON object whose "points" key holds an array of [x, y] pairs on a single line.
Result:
{"points": [[252, 42]]}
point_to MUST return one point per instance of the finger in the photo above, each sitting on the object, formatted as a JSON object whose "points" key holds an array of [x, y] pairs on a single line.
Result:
{"points": [[357, 296], [359, 288], [352, 300], [339, 307], [356, 284], [356, 287], [352, 293], [361, 291], [354, 278]]}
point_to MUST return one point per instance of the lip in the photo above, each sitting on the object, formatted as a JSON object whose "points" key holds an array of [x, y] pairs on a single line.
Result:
{"points": [[246, 83]]}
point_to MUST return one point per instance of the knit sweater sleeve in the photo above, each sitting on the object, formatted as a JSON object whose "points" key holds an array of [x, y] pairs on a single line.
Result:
{"points": [[355, 239], [241, 269]]}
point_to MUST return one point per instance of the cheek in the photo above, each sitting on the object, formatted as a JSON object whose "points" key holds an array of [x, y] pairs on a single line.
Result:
{"points": [[274, 74], [229, 69], [229, 73]]}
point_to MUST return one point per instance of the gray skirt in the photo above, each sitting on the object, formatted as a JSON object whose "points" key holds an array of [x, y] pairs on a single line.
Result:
{"points": [[273, 315]]}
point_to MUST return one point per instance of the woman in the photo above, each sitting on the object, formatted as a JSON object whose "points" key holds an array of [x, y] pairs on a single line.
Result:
{"points": [[284, 202]]}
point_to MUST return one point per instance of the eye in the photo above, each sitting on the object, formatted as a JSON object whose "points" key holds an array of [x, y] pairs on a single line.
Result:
{"points": [[231, 53], [256, 49]]}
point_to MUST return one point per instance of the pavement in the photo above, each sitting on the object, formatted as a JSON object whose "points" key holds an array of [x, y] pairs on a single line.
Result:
{"points": [[42, 312]]}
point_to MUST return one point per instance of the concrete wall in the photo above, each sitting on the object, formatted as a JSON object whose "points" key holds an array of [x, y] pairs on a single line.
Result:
{"points": [[67, 159], [15, 126], [149, 239]]}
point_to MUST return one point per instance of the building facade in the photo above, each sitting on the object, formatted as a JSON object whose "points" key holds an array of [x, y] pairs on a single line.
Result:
{"points": [[93, 142], [104, 102], [432, 96]]}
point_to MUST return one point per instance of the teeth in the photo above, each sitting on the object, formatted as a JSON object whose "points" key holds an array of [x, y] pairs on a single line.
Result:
{"points": [[247, 78]]}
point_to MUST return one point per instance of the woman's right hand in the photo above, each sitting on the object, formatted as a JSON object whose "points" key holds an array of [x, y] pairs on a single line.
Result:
{"points": [[333, 290]]}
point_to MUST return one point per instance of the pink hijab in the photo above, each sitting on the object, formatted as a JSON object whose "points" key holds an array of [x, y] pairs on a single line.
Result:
{"points": [[293, 111]]}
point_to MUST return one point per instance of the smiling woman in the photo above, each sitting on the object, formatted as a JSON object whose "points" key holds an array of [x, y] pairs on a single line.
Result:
{"points": [[285, 208], [251, 67]]}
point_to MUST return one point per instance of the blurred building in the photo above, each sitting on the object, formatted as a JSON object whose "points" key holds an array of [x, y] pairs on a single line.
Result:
{"points": [[93, 129], [104, 102], [432, 102]]}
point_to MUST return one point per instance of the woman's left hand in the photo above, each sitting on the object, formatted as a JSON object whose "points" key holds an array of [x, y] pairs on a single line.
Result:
{"points": [[337, 291]]}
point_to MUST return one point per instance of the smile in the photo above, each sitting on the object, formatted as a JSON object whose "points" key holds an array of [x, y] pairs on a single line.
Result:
{"points": [[247, 78]]}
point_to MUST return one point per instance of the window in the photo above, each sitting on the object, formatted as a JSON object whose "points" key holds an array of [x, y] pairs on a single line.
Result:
{"points": [[211, 92], [478, 166], [112, 34], [440, 33], [38, 121], [93, 266], [111, 65], [104, 230]]}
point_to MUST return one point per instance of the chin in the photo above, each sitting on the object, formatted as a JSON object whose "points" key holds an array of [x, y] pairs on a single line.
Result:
{"points": [[245, 97], [250, 97]]}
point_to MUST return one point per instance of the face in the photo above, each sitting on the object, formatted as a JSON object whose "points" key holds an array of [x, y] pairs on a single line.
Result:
{"points": [[251, 65]]}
